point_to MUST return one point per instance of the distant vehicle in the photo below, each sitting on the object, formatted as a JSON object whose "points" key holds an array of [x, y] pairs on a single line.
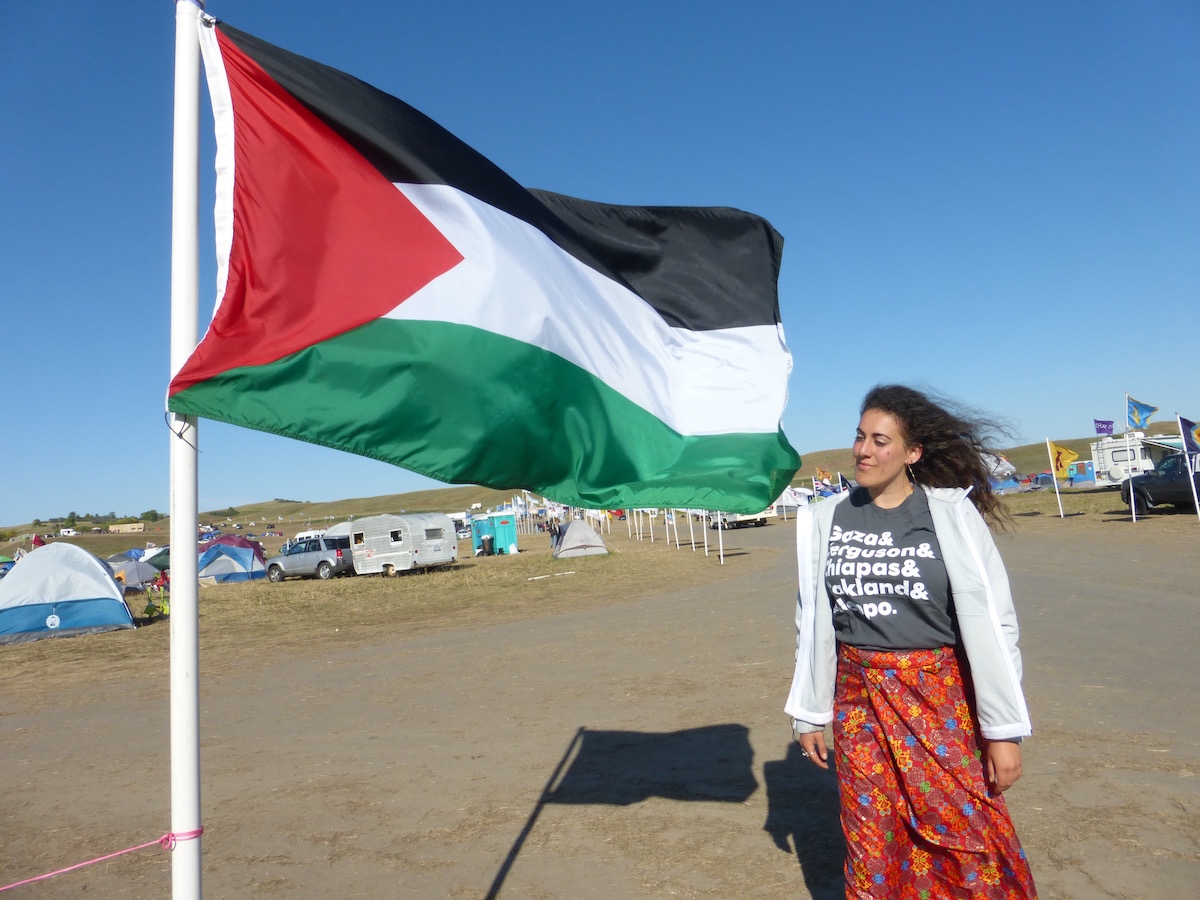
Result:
{"points": [[463, 534], [1168, 483], [319, 557], [388, 544], [738, 520], [68, 532]]}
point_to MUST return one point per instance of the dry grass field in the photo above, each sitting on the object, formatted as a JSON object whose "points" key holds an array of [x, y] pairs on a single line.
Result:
{"points": [[235, 618], [608, 726], [240, 619]]}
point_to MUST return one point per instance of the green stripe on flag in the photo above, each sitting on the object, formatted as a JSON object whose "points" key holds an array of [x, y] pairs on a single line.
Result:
{"points": [[464, 405]]}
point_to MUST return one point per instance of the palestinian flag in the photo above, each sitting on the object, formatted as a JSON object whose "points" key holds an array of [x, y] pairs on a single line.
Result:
{"points": [[385, 290]]}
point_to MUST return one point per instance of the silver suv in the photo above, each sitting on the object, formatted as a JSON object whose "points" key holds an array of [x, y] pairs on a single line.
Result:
{"points": [[318, 557]]}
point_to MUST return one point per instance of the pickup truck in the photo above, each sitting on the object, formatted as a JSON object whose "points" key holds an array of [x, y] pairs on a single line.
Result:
{"points": [[1168, 483], [317, 557]]}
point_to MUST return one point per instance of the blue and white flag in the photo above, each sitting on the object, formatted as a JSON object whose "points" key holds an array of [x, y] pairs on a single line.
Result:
{"points": [[1137, 413]]}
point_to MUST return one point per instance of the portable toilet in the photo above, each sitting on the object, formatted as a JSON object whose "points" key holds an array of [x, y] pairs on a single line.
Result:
{"points": [[481, 527], [1081, 472], [504, 527], [494, 533]]}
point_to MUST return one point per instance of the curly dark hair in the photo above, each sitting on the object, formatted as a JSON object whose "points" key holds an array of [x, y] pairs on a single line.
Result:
{"points": [[953, 442]]}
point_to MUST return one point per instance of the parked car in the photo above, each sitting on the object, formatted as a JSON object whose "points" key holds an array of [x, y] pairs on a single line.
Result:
{"points": [[1168, 483], [318, 557]]}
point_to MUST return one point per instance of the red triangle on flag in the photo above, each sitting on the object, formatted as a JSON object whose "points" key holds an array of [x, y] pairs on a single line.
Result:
{"points": [[322, 241]]}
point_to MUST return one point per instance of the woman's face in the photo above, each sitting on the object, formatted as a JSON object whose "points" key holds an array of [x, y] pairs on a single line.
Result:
{"points": [[880, 454]]}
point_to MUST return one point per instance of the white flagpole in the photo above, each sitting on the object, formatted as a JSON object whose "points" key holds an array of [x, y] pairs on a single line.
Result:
{"points": [[1054, 478], [185, 611], [704, 520], [1129, 461], [691, 530], [1187, 461], [720, 539]]}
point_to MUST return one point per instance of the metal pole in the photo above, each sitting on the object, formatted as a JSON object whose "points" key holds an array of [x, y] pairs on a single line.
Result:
{"points": [[1187, 465], [1129, 462], [185, 306], [1054, 478]]}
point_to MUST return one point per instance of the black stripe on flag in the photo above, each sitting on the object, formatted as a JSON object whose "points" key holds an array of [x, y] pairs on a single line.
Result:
{"points": [[700, 268]]}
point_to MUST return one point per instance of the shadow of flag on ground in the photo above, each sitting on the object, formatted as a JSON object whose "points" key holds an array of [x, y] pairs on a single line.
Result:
{"points": [[712, 763]]}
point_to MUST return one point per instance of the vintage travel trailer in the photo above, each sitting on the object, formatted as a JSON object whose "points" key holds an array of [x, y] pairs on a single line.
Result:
{"points": [[387, 544]]}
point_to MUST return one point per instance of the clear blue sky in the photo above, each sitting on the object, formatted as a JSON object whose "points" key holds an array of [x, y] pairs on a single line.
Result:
{"points": [[1000, 200]]}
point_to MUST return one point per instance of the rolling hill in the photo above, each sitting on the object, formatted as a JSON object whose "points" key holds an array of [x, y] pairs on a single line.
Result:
{"points": [[293, 514]]}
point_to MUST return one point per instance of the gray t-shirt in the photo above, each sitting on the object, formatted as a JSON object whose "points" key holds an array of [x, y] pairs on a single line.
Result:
{"points": [[886, 577]]}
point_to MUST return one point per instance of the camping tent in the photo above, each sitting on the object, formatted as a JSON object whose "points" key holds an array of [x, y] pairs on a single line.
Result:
{"points": [[579, 539], [132, 572], [159, 557], [233, 540], [792, 499], [222, 561], [60, 589]]}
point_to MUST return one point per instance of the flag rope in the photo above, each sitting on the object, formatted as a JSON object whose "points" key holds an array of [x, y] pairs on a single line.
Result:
{"points": [[167, 842]]}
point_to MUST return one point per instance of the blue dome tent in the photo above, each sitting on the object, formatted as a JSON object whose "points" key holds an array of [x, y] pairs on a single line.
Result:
{"points": [[60, 589]]}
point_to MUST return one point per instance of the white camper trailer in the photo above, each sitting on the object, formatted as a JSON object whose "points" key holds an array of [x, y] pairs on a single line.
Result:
{"points": [[389, 544], [1116, 458]]}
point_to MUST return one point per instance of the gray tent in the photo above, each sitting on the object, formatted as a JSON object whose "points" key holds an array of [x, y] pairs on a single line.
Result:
{"points": [[132, 572], [579, 539]]}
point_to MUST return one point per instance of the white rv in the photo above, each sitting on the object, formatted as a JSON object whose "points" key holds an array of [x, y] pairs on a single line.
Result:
{"points": [[1116, 458], [389, 544]]}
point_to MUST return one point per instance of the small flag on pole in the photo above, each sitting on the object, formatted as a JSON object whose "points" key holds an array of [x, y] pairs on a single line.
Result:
{"points": [[1103, 426], [1190, 432], [1061, 458], [1137, 413]]}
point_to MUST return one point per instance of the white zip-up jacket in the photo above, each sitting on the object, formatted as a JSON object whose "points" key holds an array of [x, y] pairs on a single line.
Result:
{"points": [[983, 605]]}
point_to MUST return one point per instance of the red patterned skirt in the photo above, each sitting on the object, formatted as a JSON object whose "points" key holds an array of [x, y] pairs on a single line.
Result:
{"points": [[917, 813]]}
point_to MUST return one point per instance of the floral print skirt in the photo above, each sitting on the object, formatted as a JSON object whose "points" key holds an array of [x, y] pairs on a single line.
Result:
{"points": [[919, 818]]}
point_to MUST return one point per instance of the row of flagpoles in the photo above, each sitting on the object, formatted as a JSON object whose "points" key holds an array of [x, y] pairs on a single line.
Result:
{"points": [[1137, 415]]}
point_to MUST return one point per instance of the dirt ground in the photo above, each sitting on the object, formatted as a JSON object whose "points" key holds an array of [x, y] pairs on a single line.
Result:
{"points": [[634, 748]]}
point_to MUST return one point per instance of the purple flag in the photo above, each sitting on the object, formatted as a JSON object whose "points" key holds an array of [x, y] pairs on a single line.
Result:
{"points": [[1103, 426], [1190, 432]]}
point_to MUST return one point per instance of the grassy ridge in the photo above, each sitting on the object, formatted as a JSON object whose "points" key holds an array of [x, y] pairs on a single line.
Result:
{"points": [[291, 516]]}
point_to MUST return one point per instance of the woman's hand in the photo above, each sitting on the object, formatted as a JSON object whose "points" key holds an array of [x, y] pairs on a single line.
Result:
{"points": [[812, 745], [1003, 765]]}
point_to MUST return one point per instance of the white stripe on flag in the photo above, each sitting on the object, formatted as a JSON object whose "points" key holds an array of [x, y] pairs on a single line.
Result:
{"points": [[697, 382]]}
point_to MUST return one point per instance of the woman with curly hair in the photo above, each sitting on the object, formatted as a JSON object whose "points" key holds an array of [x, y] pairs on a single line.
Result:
{"points": [[907, 646]]}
